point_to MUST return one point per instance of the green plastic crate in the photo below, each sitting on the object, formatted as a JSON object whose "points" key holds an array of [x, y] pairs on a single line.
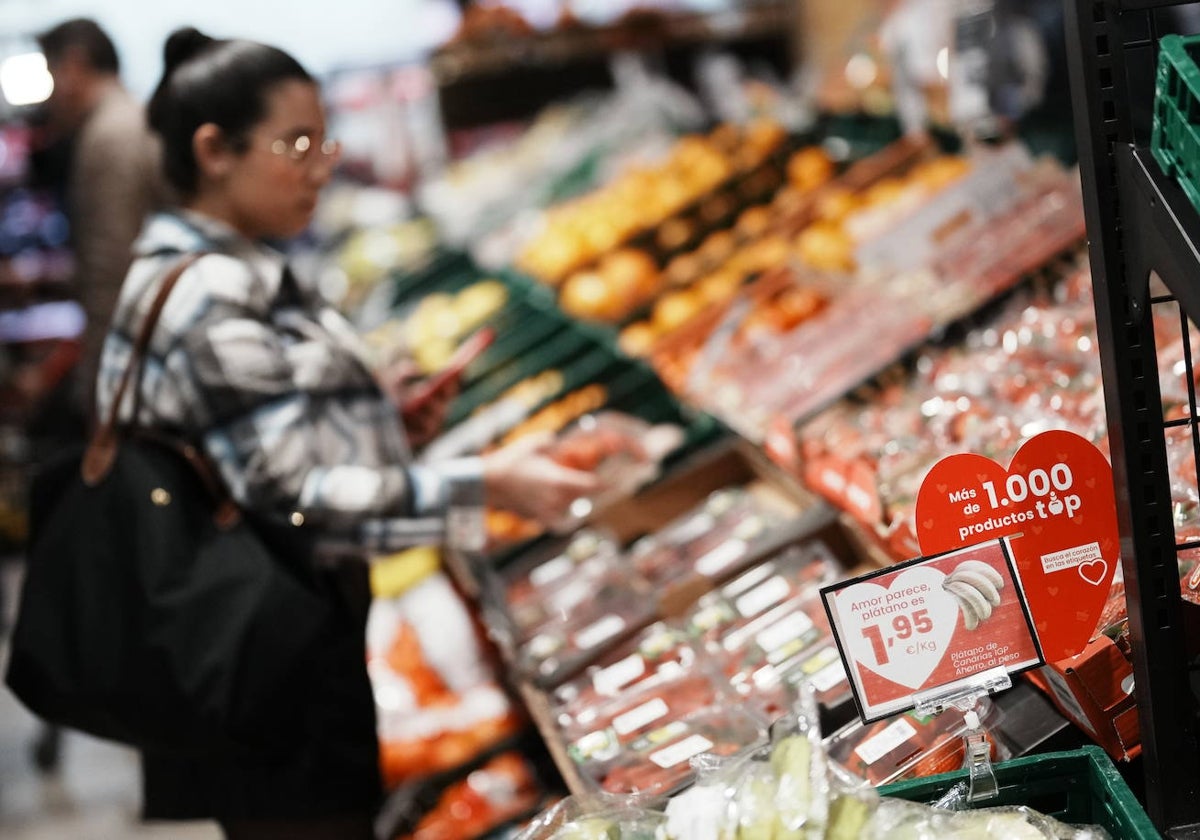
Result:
{"points": [[1080, 787], [1175, 141]]}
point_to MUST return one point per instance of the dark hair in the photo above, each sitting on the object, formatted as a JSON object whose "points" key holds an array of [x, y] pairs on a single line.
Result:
{"points": [[85, 35], [205, 80]]}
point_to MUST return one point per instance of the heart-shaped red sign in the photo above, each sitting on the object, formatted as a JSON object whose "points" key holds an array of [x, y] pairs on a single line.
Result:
{"points": [[1058, 495]]}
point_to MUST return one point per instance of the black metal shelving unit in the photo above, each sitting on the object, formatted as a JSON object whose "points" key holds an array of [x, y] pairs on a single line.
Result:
{"points": [[1140, 223]]}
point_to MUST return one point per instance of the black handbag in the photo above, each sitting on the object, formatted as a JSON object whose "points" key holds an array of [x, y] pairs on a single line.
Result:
{"points": [[153, 612]]}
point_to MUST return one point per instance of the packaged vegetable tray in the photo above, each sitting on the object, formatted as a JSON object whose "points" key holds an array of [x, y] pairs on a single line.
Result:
{"points": [[658, 763], [906, 745]]}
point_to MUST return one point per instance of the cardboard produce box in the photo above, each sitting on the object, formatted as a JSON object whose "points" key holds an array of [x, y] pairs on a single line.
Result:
{"points": [[1094, 689]]}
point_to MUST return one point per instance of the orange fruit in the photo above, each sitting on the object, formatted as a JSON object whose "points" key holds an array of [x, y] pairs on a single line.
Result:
{"points": [[754, 221], [836, 204], [587, 295], [638, 339], [825, 246], [674, 309], [630, 273], [809, 168]]}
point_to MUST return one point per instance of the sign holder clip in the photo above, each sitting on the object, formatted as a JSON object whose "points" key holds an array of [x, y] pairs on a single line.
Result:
{"points": [[964, 695]]}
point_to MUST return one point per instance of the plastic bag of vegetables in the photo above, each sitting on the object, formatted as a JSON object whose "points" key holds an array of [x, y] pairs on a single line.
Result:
{"points": [[898, 820], [595, 818], [782, 791]]}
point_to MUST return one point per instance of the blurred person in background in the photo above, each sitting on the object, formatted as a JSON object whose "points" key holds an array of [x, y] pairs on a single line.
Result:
{"points": [[98, 159], [270, 383], [112, 175]]}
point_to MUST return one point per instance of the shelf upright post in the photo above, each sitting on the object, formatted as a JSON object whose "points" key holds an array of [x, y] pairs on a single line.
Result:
{"points": [[1102, 41]]}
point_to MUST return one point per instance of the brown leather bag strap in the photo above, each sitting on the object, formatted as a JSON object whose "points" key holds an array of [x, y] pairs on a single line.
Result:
{"points": [[102, 449], [226, 513]]}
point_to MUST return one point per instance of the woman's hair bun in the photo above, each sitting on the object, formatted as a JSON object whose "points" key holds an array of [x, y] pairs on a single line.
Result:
{"points": [[182, 45]]}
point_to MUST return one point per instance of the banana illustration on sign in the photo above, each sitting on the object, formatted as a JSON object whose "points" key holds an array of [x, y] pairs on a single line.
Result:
{"points": [[976, 587]]}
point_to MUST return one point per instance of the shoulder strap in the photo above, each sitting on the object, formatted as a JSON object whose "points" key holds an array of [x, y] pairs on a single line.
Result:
{"points": [[102, 448]]}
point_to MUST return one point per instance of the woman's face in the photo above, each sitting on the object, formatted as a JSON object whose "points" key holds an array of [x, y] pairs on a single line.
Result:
{"points": [[272, 186]]}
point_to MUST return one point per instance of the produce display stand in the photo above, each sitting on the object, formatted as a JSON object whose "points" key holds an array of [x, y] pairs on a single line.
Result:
{"points": [[1140, 221], [537, 334], [505, 78], [533, 337], [727, 463]]}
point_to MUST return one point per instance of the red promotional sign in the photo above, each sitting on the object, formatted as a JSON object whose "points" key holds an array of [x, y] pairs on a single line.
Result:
{"points": [[1057, 494], [929, 623]]}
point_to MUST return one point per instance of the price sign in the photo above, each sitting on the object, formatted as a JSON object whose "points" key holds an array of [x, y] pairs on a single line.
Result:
{"points": [[1056, 501], [932, 622]]}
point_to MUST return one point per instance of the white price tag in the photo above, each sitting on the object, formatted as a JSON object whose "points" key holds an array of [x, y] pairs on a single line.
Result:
{"points": [[599, 632], [784, 631], [749, 580], [571, 595], [877, 746], [829, 676], [763, 597], [608, 681], [721, 558], [550, 571], [635, 719], [681, 751]]}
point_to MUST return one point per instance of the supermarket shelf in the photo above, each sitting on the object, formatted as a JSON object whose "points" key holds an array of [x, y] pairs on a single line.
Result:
{"points": [[466, 60], [499, 80], [1162, 229], [538, 706]]}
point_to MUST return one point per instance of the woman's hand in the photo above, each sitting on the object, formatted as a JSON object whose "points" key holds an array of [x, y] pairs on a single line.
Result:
{"points": [[423, 410], [522, 478]]}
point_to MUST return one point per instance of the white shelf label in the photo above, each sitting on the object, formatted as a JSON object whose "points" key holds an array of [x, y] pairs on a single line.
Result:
{"points": [[784, 631], [763, 597], [721, 558], [635, 719], [829, 676], [612, 679], [877, 746], [747, 581], [681, 751], [599, 632], [551, 571]]}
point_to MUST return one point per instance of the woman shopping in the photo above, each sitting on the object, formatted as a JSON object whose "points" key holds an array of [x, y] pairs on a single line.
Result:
{"points": [[270, 383]]}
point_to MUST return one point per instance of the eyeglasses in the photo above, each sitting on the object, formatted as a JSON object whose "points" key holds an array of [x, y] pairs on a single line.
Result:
{"points": [[301, 149]]}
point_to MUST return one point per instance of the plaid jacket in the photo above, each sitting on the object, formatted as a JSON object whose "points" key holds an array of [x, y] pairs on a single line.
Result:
{"points": [[271, 382]]}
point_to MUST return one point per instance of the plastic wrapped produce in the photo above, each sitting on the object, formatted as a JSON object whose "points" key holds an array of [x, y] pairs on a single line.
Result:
{"points": [[906, 745], [710, 540], [550, 585], [594, 819], [783, 789], [794, 571], [657, 763], [896, 820], [500, 791], [437, 702], [1031, 368], [602, 732], [609, 614], [623, 452], [658, 651]]}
